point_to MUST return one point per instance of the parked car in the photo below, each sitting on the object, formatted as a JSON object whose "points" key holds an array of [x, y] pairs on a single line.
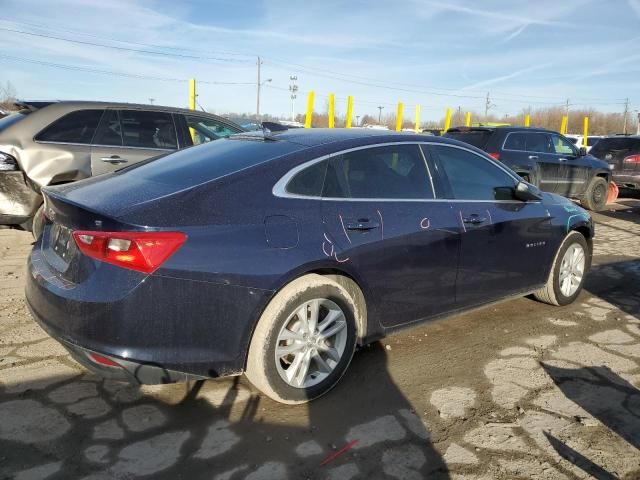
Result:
{"points": [[275, 254], [578, 140], [544, 158], [622, 153], [50, 143]]}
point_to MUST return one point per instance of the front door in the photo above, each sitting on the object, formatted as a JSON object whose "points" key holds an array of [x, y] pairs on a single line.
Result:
{"points": [[503, 248], [574, 171], [380, 215], [126, 137]]}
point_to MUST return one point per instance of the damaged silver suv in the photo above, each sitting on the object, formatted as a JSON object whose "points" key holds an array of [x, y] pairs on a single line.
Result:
{"points": [[50, 143]]}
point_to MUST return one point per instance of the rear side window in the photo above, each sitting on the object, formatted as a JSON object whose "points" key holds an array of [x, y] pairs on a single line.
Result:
{"points": [[109, 132], [390, 172], [309, 181], [74, 127], [529, 142], [470, 176], [148, 129], [477, 138], [203, 130]]}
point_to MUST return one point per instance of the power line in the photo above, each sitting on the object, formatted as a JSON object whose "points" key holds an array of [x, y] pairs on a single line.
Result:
{"points": [[81, 68], [114, 47]]}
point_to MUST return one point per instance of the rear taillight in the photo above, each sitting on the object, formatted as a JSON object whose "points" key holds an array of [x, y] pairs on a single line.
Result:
{"points": [[7, 162], [632, 159], [140, 251], [495, 155]]}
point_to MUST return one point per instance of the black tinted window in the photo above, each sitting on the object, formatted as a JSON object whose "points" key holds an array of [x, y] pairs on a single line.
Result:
{"points": [[470, 176], [309, 181], [110, 132], [516, 141], [615, 145], [477, 138], [74, 127], [148, 129], [396, 171], [539, 143]]}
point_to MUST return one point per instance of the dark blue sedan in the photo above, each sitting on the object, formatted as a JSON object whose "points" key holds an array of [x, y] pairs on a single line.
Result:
{"points": [[276, 254]]}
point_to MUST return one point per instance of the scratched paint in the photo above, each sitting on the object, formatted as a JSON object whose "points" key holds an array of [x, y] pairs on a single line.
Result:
{"points": [[344, 229], [464, 228], [332, 252], [425, 223], [583, 215], [381, 224], [490, 217]]}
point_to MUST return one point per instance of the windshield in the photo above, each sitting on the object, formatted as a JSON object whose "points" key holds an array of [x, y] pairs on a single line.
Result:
{"points": [[477, 138], [6, 122]]}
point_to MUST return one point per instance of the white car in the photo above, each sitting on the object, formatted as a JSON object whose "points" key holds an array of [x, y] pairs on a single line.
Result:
{"points": [[578, 140]]}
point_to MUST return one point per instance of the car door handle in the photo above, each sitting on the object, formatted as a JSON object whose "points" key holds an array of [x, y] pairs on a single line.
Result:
{"points": [[362, 225], [114, 159], [474, 219], [562, 159], [533, 157]]}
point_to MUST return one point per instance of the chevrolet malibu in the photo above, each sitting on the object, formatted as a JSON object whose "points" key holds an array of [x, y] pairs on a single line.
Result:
{"points": [[277, 254]]}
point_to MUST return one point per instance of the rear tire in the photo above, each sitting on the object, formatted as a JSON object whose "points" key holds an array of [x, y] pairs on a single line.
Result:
{"points": [[288, 325], [563, 285], [595, 198]]}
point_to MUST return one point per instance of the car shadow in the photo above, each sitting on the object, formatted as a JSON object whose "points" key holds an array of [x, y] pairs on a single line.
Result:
{"points": [[363, 427]]}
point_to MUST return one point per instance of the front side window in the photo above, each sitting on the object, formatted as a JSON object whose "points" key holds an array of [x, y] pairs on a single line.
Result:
{"points": [[203, 130], [144, 129], [388, 172], [74, 127], [470, 176], [562, 146]]}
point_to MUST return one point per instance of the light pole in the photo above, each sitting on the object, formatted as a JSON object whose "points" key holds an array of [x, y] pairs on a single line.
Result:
{"points": [[259, 84], [380, 107], [293, 88]]}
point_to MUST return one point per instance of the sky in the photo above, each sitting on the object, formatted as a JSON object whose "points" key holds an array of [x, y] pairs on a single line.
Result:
{"points": [[437, 53]]}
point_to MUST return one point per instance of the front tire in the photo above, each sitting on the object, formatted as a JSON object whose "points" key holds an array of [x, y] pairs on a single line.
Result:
{"points": [[595, 198], [304, 340], [568, 271]]}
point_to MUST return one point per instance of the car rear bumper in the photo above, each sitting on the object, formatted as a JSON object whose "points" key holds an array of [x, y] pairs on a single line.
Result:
{"points": [[18, 201], [631, 180], [159, 329]]}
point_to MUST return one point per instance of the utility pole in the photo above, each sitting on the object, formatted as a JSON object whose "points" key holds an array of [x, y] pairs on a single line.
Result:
{"points": [[487, 106], [151, 100], [626, 112], [638, 125], [258, 93], [293, 89], [357, 120], [566, 114], [380, 107]]}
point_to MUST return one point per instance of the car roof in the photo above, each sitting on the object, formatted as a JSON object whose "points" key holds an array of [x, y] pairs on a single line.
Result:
{"points": [[311, 137], [499, 129], [79, 104]]}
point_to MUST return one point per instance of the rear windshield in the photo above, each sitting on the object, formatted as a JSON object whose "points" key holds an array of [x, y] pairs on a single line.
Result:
{"points": [[196, 165], [477, 138], [7, 121], [608, 145]]}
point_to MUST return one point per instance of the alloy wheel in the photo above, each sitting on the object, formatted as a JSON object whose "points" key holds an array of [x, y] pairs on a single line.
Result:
{"points": [[572, 269], [311, 343]]}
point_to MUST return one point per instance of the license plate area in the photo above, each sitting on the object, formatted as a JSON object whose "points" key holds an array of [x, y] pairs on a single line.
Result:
{"points": [[62, 241]]}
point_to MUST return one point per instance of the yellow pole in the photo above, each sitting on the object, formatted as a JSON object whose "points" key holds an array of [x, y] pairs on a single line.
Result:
{"points": [[349, 111], [563, 125], [417, 127], [192, 94], [192, 105], [586, 131], [399, 116], [447, 120], [527, 120], [307, 121], [332, 110], [467, 119]]}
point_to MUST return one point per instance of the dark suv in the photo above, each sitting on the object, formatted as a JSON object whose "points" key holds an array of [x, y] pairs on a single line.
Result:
{"points": [[622, 153], [544, 158]]}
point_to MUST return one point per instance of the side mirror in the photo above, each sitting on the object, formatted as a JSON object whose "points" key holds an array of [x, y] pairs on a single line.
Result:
{"points": [[527, 192], [582, 152]]}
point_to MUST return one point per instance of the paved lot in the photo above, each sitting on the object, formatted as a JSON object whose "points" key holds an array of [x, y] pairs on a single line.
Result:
{"points": [[518, 390]]}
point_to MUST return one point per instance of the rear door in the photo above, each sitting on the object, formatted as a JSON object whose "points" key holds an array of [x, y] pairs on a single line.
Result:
{"points": [[540, 151], [381, 218], [574, 169], [503, 241], [129, 136]]}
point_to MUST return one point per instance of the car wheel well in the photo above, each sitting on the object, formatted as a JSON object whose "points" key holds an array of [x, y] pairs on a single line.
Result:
{"points": [[603, 175], [354, 290], [586, 233]]}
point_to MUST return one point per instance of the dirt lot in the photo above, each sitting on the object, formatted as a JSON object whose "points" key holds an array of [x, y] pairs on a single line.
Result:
{"points": [[518, 390]]}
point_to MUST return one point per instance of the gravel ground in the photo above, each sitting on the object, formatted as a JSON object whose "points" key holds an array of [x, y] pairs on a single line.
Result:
{"points": [[517, 390]]}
